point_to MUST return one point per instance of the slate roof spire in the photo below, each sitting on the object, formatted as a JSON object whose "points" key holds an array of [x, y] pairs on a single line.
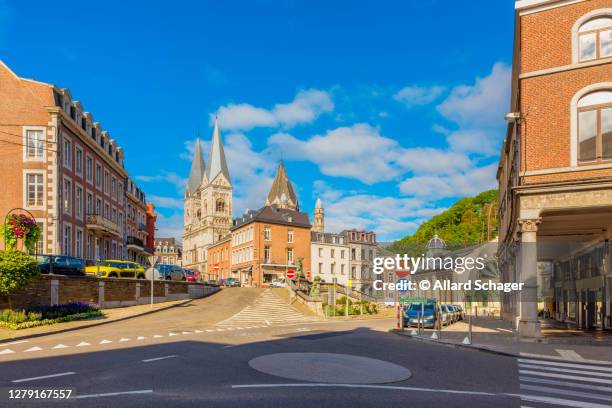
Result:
{"points": [[216, 157], [282, 193], [196, 175]]}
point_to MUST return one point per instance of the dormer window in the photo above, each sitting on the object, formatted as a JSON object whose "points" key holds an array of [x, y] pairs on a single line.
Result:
{"points": [[595, 39], [84, 124]]}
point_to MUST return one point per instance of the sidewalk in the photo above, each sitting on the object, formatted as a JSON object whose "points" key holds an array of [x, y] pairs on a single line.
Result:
{"points": [[109, 316], [497, 336]]}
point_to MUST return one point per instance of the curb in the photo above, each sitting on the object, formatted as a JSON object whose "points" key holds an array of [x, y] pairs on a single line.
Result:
{"points": [[94, 323], [455, 345]]}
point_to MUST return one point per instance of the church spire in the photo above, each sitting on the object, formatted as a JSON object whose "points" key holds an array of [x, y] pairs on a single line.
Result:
{"points": [[282, 193], [216, 157], [196, 175]]}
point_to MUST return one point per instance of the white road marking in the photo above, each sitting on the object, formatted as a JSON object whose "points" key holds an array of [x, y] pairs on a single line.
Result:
{"points": [[35, 348], [503, 330], [220, 329], [564, 402], [379, 387], [121, 340], [198, 331], [173, 334], [157, 336], [569, 354], [7, 351], [141, 338], [187, 332], [566, 384], [566, 377], [554, 363], [544, 356], [44, 376], [105, 341], [83, 343], [209, 330], [60, 346], [148, 360], [568, 393], [112, 394], [566, 370]]}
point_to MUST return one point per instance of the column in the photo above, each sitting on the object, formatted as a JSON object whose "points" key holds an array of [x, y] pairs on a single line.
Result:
{"points": [[529, 325]]}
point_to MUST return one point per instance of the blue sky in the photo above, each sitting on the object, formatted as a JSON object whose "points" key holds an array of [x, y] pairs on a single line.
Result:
{"points": [[387, 110]]}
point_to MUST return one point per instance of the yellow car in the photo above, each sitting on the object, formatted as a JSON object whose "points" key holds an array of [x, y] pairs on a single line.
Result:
{"points": [[116, 269]]}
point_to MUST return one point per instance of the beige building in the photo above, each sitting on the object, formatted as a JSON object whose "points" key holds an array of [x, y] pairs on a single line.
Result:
{"points": [[555, 171], [208, 204], [362, 246], [168, 251]]}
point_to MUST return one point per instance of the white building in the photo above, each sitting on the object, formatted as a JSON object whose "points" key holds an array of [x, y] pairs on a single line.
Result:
{"points": [[329, 257], [208, 204]]}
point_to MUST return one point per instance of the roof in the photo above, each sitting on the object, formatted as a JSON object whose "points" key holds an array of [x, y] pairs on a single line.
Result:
{"points": [[196, 175], [274, 215], [281, 192], [216, 157]]}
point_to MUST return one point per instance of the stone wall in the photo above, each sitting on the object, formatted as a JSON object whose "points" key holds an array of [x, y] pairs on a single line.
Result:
{"points": [[108, 293]]}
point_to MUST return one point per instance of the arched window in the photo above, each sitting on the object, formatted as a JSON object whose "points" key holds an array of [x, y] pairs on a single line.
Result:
{"points": [[595, 126], [595, 38], [220, 205]]}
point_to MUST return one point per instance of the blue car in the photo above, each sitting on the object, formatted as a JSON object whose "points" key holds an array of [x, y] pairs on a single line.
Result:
{"points": [[425, 313]]}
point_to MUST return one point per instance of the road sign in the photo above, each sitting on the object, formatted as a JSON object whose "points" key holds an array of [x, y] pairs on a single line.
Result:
{"points": [[404, 283], [215, 267], [153, 260], [291, 274], [402, 273], [308, 275]]}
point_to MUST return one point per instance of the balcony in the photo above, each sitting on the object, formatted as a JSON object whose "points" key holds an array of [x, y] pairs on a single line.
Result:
{"points": [[135, 243], [102, 225], [143, 228]]}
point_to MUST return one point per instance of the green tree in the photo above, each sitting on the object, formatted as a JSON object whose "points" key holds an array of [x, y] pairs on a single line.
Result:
{"points": [[17, 270]]}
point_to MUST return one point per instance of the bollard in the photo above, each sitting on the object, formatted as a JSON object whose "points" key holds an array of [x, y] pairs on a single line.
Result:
{"points": [[470, 329]]}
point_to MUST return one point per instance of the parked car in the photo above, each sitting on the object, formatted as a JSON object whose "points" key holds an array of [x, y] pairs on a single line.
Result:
{"points": [[232, 282], [61, 265], [425, 313], [116, 269], [213, 282], [190, 276], [460, 312], [446, 316], [456, 313], [170, 272]]}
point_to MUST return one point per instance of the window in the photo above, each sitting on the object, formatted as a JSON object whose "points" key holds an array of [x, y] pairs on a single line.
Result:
{"points": [[98, 206], [332, 253], [267, 233], [78, 198], [290, 256], [595, 127], [220, 206], [332, 269], [342, 254], [290, 236], [114, 187], [595, 39], [98, 175], [106, 182], [89, 169], [67, 196], [67, 249], [67, 153], [267, 254], [34, 188], [89, 204], [78, 244], [40, 244], [320, 268], [320, 252], [341, 269], [34, 144], [78, 160]]}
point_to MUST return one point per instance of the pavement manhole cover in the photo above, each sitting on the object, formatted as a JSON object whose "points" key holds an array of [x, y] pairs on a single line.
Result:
{"points": [[330, 368]]}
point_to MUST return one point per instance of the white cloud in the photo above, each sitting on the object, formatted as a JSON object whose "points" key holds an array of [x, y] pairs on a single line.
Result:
{"points": [[169, 226], [468, 183], [357, 152], [166, 177], [305, 108], [418, 95], [482, 104]]}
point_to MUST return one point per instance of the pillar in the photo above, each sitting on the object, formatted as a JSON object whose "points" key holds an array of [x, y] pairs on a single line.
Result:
{"points": [[529, 325]]}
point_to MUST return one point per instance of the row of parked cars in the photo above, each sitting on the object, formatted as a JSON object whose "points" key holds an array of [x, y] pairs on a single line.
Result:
{"points": [[112, 268], [430, 312]]}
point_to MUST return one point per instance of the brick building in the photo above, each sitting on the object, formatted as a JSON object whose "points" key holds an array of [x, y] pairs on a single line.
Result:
{"points": [[269, 241], [58, 163], [219, 259], [168, 251], [555, 171]]}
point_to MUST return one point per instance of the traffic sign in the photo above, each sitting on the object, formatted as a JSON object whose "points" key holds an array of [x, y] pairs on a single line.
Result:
{"points": [[402, 273], [308, 275], [404, 284], [291, 274]]}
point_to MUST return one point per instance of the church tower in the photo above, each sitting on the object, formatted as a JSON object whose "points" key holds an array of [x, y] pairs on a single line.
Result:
{"points": [[208, 203], [281, 193], [319, 217]]}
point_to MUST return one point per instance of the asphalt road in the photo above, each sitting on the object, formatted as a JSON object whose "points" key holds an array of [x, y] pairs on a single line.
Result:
{"points": [[182, 357]]}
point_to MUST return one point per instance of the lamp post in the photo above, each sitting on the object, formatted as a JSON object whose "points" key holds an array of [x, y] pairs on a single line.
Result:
{"points": [[153, 261]]}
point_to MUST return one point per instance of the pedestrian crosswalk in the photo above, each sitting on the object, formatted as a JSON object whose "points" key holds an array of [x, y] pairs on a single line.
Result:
{"points": [[267, 309], [546, 383]]}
